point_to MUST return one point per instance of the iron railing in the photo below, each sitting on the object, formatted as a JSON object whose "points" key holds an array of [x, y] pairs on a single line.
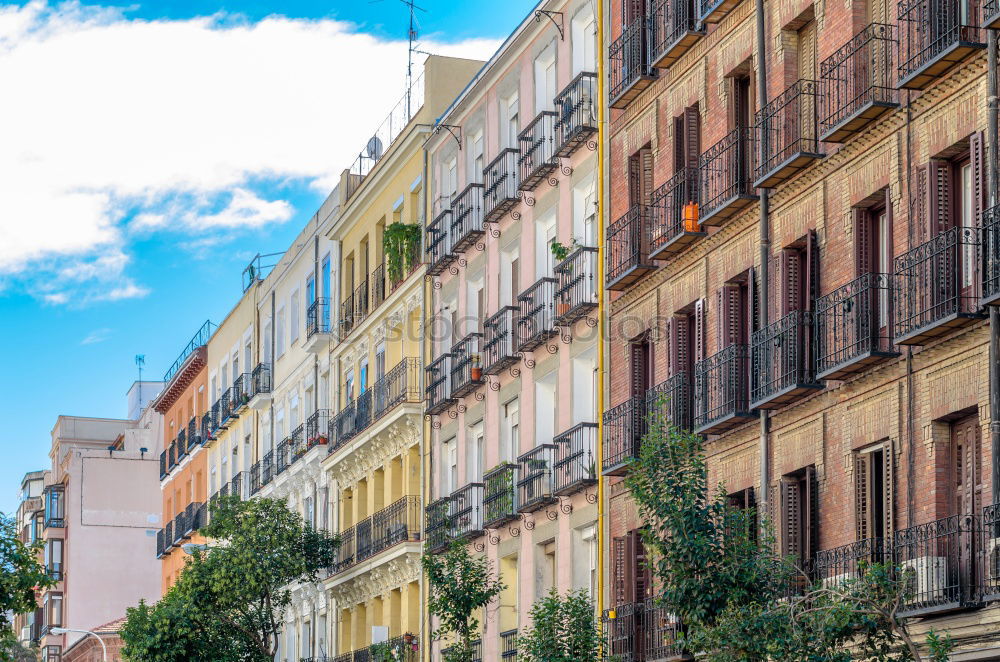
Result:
{"points": [[297, 443], [238, 485], [344, 425], [467, 511], [194, 432], [934, 36], [990, 554], [397, 523], [437, 377], [673, 214], [261, 379], [669, 402], [935, 285], [281, 457], [788, 133], [401, 384], [673, 29], [163, 464], [466, 365], [724, 176], [853, 326], [499, 341], [437, 524], [939, 559], [207, 426], [575, 465], [199, 339], [662, 631], [576, 294], [781, 364], [364, 410], [537, 142], [378, 286], [241, 393], [347, 312], [501, 191], [990, 238], [225, 408], [362, 302], [624, 629], [722, 389], [318, 317], [508, 645], [182, 446], [627, 248], [255, 483], [535, 478], [318, 428], [267, 468], [624, 426], [628, 61], [536, 314], [467, 218], [991, 14], [577, 110], [438, 242], [833, 567], [857, 82], [500, 495]]}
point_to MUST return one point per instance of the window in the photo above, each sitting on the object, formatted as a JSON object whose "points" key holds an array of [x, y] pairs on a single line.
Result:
{"points": [[450, 178], [629, 580], [477, 452], [641, 369], [546, 574], [545, 79], [746, 500], [309, 512], [734, 315], [582, 386], [267, 343], [873, 249], [509, 122], [53, 654], [280, 332], [545, 229], [476, 305], [310, 290], [687, 139], [349, 386], [324, 513], [363, 375], [325, 281], [798, 522], [475, 173], [510, 436], [294, 318], [53, 609], [449, 481], [545, 408], [54, 511], [873, 491], [585, 213], [640, 177], [584, 35], [54, 558], [797, 272], [584, 553], [966, 473], [509, 276]]}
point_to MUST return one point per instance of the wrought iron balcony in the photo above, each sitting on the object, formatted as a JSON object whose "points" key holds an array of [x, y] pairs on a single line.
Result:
{"points": [[724, 177], [467, 512], [854, 326], [281, 457], [160, 548], [255, 483], [713, 11], [437, 376], [576, 295], [939, 556], [397, 523], [536, 314], [297, 443], [55, 571], [398, 386], [347, 310], [781, 361], [575, 467], [499, 346], [624, 427], [535, 483], [627, 259], [990, 554], [673, 30], [239, 485], [577, 122], [362, 304], [466, 365], [628, 61], [934, 36], [377, 281], [500, 495], [722, 391], [990, 237], [344, 425], [267, 468], [438, 240], [225, 410], [669, 402], [260, 380], [856, 83], [171, 455], [240, 394], [537, 147], [194, 517], [318, 317], [182, 449], [663, 632], [787, 131], [437, 527], [501, 190], [673, 215], [508, 645], [991, 14], [207, 426], [835, 566], [194, 432], [467, 218], [623, 627], [163, 464], [935, 287], [318, 428]]}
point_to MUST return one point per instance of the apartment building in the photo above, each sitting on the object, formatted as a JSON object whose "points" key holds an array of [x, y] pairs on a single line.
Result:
{"points": [[101, 493], [30, 520], [374, 459], [801, 253], [511, 377]]}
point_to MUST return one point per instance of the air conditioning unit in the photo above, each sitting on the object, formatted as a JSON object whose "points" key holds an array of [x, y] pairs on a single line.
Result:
{"points": [[993, 561], [928, 577]]}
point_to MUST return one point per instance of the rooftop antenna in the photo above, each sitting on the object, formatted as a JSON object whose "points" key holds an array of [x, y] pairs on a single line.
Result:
{"points": [[411, 36], [140, 360]]}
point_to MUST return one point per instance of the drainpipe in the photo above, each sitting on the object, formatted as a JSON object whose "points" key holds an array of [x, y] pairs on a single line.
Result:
{"points": [[765, 253], [425, 457], [991, 188], [601, 311]]}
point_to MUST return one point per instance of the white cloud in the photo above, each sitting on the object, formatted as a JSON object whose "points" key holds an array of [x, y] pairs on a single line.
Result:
{"points": [[169, 124], [96, 336]]}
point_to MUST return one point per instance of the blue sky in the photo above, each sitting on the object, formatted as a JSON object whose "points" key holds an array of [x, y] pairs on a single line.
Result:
{"points": [[165, 150]]}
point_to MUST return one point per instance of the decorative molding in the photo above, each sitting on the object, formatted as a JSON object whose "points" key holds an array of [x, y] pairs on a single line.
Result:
{"points": [[381, 579]]}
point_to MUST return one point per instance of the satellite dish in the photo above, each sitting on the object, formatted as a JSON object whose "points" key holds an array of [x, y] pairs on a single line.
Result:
{"points": [[374, 148]]}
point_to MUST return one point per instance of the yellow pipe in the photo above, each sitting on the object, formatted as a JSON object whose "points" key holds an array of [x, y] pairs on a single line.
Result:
{"points": [[601, 314]]}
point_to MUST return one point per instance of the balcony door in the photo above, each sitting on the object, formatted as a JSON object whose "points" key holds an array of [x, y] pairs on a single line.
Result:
{"points": [[966, 466]]}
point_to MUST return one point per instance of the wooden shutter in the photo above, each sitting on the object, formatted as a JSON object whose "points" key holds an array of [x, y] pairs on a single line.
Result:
{"points": [[862, 507], [753, 300], [681, 344], [730, 318], [692, 136], [634, 179], [774, 520], [620, 579], [646, 155], [790, 516], [810, 525], [640, 570], [672, 349], [640, 366], [888, 490], [680, 142], [863, 248], [699, 330], [791, 280], [978, 162], [939, 197]]}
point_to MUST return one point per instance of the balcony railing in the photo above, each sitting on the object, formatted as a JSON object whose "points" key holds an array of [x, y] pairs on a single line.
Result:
{"points": [[781, 363], [467, 218], [467, 511], [347, 311], [991, 14], [255, 483], [575, 467], [939, 557], [535, 483], [537, 142], [662, 633], [628, 60], [400, 385], [261, 379], [208, 426], [833, 567], [181, 442], [240, 394], [508, 645], [625, 632], [267, 468], [576, 295], [990, 237], [362, 302], [500, 495], [194, 431], [857, 83], [437, 527], [536, 314], [669, 402], [437, 376], [713, 11], [466, 365], [377, 281], [673, 215], [787, 129], [499, 341], [501, 191], [624, 426], [225, 409], [934, 36], [318, 428], [163, 465], [673, 29], [853, 327], [627, 258], [722, 391], [577, 121], [990, 554], [397, 523], [318, 317], [439, 251], [935, 286], [344, 425], [724, 177], [281, 457]]}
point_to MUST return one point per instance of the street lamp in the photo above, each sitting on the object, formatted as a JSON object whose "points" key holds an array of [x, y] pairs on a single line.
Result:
{"points": [[57, 630]]}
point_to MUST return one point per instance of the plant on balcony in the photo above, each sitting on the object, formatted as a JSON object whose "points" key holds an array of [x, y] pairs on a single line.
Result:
{"points": [[731, 590], [561, 251], [401, 241], [476, 363], [229, 601], [21, 574], [563, 629], [460, 584]]}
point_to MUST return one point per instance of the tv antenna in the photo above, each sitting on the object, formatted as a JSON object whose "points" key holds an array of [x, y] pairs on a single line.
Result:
{"points": [[140, 360], [411, 36]]}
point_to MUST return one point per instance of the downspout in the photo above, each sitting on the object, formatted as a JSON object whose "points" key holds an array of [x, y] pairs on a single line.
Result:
{"points": [[765, 254], [602, 318], [425, 457], [991, 188]]}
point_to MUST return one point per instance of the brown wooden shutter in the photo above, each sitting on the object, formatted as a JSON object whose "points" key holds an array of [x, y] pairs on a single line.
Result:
{"points": [[790, 517], [699, 330], [888, 490], [671, 334], [620, 578], [640, 570], [810, 504], [634, 179], [863, 249], [646, 154], [862, 508], [753, 301], [682, 344], [680, 141], [692, 136], [978, 162], [640, 365], [939, 197], [730, 318], [791, 280]]}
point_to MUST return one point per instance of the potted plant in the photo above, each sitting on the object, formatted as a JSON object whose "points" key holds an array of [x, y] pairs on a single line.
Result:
{"points": [[560, 252], [477, 367]]}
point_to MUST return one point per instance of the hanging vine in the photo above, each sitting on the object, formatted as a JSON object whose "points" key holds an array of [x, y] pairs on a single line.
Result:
{"points": [[402, 244]]}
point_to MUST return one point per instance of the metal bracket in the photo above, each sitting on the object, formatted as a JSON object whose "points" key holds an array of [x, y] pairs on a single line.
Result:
{"points": [[551, 16], [451, 128]]}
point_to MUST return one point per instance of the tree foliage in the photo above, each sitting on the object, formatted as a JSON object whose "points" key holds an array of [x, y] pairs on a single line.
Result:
{"points": [[229, 601], [740, 601], [563, 629], [460, 584], [21, 576]]}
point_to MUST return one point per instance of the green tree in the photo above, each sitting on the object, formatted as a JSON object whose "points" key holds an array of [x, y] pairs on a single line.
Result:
{"points": [[21, 576], [460, 584], [229, 601], [563, 629]]}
